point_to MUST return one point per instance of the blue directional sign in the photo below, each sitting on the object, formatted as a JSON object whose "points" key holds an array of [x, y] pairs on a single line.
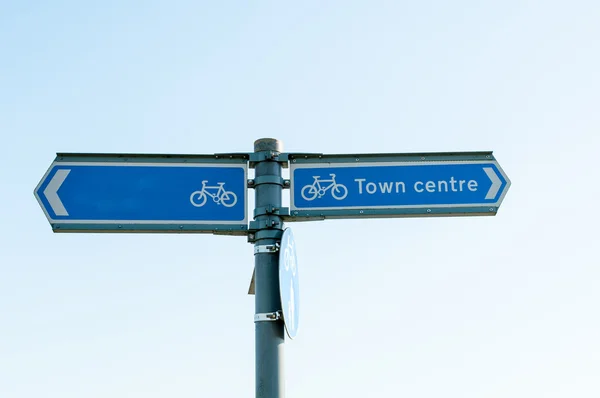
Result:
{"points": [[145, 193], [289, 287], [343, 186]]}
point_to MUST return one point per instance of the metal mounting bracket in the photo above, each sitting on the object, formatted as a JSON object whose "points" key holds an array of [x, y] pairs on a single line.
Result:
{"points": [[268, 316], [270, 209], [266, 248], [262, 156]]}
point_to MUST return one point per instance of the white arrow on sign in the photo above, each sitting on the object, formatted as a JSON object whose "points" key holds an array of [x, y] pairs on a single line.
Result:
{"points": [[51, 192], [496, 183]]}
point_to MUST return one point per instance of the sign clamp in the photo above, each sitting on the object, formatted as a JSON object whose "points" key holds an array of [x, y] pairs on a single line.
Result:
{"points": [[268, 316], [266, 248]]}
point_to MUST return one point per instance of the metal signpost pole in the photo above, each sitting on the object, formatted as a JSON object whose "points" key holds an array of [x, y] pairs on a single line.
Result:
{"points": [[266, 232]]}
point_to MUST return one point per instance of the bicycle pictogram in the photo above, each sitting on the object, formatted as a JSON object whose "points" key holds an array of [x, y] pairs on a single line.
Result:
{"points": [[317, 189], [218, 194]]}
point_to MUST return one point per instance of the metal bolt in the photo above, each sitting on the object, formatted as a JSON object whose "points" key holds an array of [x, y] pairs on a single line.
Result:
{"points": [[428, 210], [361, 212], [295, 213], [250, 182], [488, 156], [181, 227], [422, 157], [294, 160], [491, 209], [357, 159], [251, 236], [120, 226]]}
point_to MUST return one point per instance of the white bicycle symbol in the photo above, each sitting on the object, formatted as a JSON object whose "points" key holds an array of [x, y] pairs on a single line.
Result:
{"points": [[220, 196], [311, 192]]}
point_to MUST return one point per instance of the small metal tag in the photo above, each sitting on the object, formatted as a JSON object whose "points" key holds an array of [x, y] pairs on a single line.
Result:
{"points": [[268, 317], [266, 248]]}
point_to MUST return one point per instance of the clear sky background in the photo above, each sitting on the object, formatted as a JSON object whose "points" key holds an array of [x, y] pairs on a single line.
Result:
{"points": [[504, 306]]}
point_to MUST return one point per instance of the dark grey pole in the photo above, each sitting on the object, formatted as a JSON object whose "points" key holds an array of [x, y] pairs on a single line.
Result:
{"points": [[269, 333]]}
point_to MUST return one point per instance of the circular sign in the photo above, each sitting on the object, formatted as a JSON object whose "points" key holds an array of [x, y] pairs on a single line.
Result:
{"points": [[288, 283]]}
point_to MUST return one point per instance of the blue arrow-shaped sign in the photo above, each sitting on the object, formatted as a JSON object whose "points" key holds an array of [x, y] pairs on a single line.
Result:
{"points": [[148, 193], [329, 186]]}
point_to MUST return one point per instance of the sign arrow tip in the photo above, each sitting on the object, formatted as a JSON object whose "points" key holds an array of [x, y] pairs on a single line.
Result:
{"points": [[51, 192], [496, 183]]}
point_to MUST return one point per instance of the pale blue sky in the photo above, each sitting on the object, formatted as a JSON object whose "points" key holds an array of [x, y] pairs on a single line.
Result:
{"points": [[502, 306]]}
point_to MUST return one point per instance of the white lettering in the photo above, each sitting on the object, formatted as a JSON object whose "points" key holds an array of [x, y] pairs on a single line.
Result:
{"points": [[430, 186], [386, 187], [400, 183], [360, 181], [452, 182], [445, 183], [451, 185], [372, 186]]}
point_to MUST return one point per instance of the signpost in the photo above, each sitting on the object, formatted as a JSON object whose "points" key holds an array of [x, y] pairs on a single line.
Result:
{"points": [[208, 193], [145, 193], [400, 185]]}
